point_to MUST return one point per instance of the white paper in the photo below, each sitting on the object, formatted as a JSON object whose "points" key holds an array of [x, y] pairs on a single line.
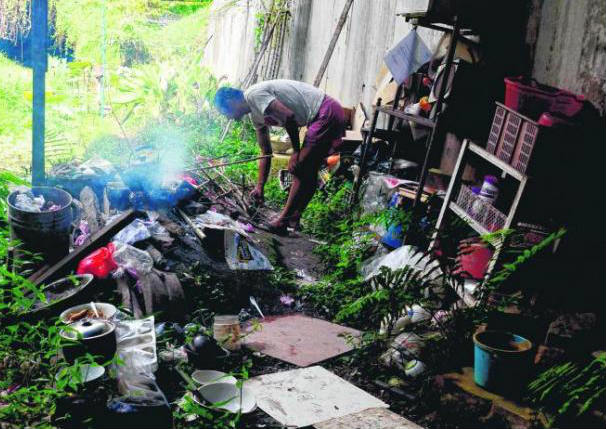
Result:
{"points": [[407, 56]]}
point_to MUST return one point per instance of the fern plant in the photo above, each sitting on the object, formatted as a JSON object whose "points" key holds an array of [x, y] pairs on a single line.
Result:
{"points": [[569, 390]]}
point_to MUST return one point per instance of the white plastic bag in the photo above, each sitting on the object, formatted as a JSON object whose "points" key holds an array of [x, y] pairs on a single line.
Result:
{"points": [[136, 231], [400, 258], [130, 258], [136, 346]]}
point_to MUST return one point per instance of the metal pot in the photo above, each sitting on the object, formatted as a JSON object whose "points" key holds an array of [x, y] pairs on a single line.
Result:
{"points": [[48, 232], [93, 336]]}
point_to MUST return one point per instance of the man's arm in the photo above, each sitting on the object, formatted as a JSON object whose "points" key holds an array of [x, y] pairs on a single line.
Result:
{"points": [[286, 116], [264, 163]]}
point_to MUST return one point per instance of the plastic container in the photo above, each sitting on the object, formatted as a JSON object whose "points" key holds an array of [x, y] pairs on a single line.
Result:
{"points": [[502, 361], [489, 191], [474, 259], [531, 98], [226, 330]]}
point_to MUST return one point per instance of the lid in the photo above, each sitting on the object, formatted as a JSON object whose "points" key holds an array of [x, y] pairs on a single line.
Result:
{"points": [[88, 328], [491, 179]]}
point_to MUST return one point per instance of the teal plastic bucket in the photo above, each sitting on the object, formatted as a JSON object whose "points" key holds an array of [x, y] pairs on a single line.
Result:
{"points": [[502, 361]]}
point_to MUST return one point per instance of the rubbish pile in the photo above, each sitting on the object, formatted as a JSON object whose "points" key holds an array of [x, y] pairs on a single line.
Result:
{"points": [[28, 202]]}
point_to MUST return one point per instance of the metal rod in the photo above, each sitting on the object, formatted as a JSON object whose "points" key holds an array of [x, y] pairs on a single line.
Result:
{"points": [[439, 103], [367, 143], [225, 164], [39, 66]]}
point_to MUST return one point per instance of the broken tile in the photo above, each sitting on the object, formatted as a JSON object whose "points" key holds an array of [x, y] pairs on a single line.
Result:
{"points": [[307, 396], [300, 340], [373, 418]]}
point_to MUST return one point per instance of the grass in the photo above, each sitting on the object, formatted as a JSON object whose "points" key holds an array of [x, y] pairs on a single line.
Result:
{"points": [[155, 72]]}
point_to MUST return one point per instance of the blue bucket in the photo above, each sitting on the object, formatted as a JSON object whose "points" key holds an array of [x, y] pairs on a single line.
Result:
{"points": [[502, 361]]}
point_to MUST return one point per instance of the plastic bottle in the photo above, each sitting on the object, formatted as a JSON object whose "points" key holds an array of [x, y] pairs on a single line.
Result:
{"points": [[489, 191]]}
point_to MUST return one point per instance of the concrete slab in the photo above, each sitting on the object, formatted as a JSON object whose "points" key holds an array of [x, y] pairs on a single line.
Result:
{"points": [[373, 418], [307, 396], [300, 340]]}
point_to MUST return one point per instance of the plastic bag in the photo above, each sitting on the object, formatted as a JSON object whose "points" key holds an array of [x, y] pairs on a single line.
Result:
{"points": [[240, 254], [400, 258], [136, 231], [215, 220], [377, 192], [26, 201], [136, 346], [100, 263], [130, 258]]}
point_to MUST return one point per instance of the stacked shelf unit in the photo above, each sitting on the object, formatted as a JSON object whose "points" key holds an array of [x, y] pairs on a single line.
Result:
{"points": [[487, 219]]}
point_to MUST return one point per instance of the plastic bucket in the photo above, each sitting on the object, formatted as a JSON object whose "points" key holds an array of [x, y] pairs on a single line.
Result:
{"points": [[474, 258], [532, 99], [47, 233], [502, 361], [226, 330]]}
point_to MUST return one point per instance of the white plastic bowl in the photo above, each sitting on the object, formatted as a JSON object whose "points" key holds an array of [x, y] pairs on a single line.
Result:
{"points": [[231, 397], [209, 376], [88, 372], [108, 310]]}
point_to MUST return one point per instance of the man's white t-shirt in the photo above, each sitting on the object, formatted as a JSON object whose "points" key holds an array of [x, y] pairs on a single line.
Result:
{"points": [[300, 97]]}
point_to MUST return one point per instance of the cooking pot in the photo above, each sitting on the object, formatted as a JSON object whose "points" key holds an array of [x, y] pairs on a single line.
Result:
{"points": [[93, 336]]}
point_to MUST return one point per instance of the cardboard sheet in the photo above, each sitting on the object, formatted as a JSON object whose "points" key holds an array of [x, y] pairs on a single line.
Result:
{"points": [[306, 396], [373, 418], [300, 340]]}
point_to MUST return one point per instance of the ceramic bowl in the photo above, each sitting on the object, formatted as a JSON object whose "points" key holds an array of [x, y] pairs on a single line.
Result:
{"points": [[231, 397], [208, 376], [88, 372]]}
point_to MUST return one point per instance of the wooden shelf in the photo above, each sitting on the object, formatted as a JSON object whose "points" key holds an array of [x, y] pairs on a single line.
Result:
{"points": [[400, 114], [502, 165]]}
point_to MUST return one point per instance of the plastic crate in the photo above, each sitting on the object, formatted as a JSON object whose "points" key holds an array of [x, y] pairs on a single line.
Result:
{"points": [[512, 137], [481, 211], [528, 137], [495, 129]]}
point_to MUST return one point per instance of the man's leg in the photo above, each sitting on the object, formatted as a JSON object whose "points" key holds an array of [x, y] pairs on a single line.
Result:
{"points": [[305, 182]]}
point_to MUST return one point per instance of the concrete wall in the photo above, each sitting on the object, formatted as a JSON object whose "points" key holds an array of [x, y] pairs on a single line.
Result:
{"points": [[371, 29], [571, 47]]}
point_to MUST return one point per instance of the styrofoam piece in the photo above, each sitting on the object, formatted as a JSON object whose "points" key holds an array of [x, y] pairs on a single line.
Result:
{"points": [[229, 397], [373, 418], [306, 396], [208, 376]]}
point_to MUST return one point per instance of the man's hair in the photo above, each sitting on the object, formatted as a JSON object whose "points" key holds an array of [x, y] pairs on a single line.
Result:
{"points": [[226, 97]]}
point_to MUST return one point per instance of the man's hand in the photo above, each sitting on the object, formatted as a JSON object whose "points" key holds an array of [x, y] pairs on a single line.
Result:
{"points": [[293, 163], [257, 195]]}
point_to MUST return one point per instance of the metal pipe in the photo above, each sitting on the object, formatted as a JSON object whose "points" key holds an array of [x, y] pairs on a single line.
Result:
{"points": [[39, 65]]}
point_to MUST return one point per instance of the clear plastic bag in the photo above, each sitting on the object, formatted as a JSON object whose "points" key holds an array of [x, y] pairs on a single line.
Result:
{"points": [[136, 345], [132, 259], [400, 258], [27, 202], [137, 230]]}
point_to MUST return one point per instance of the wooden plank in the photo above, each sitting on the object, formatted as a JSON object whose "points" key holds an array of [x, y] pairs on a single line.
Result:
{"points": [[456, 177], [333, 42], [101, 238]]}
